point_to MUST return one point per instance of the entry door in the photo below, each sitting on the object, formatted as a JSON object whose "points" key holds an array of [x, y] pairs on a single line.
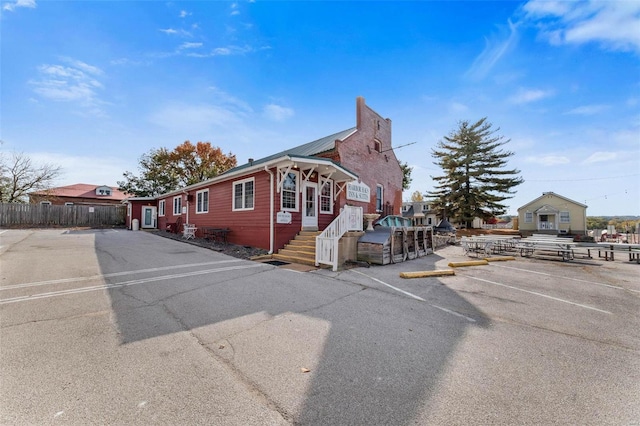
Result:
{"points": [[149, 217], [310, 205]]}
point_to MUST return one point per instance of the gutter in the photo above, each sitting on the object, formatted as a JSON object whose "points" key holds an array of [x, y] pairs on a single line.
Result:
{"points": [[271, 201]]}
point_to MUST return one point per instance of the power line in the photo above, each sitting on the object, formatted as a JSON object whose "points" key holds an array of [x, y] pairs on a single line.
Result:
{"points": [[580, 180]]}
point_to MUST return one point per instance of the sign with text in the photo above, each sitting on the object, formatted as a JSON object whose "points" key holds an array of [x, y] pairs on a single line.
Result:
{"points": [[358, 192], [283, 217]]}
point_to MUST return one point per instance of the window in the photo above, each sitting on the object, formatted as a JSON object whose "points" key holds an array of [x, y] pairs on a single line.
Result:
{"points": [[528, 217], [289, 193], [68, 203], [564, 217], [405, 208], [377, 145], [202, 201], [326, 197], [161, 208], [429, 221], [243, 194], [45, 203], [177, 205], [379, 200]]}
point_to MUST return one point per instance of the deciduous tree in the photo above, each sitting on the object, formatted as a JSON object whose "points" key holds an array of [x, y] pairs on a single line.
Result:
{"points": [[163, 171], [19, 176]]}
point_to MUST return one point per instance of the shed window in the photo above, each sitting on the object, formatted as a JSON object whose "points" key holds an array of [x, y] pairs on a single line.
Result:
{"points": [[177, 205], [564, 217], [202, 201], [45, 203], [161, 207], [528, 217], [326, 197], [289, 195], [243, 194]]}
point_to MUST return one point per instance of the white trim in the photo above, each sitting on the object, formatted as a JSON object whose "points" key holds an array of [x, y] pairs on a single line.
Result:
{"points": [[243, 183], [45, 202], [320, 196], [568, 215], [178, 211], [162, 206], [381, 197], [296, 192], [205, 209]]}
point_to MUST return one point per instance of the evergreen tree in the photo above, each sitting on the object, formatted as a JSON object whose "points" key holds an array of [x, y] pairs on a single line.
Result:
{"points": [[475, 181]]}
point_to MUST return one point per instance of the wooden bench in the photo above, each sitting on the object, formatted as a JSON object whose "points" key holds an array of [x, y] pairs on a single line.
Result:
{"points": [[215, 234], [561, 248]]}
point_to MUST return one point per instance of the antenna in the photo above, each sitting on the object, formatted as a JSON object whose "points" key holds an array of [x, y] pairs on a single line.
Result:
{"points": [[401, 146]]}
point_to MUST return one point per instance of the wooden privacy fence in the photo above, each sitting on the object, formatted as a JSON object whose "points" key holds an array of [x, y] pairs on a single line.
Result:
{"points": [[27, 215]]}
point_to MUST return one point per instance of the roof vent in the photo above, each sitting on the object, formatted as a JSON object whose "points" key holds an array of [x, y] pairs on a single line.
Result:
{"points": [[251, 161]]}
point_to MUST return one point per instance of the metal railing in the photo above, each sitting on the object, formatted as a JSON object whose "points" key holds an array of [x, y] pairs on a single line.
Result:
{"points": [[349, 219]]}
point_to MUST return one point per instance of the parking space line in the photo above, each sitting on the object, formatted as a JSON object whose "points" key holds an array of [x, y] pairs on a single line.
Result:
{"points": [[565, 278], [413, 296], [114, 274], [537, 294], [123, 284]]}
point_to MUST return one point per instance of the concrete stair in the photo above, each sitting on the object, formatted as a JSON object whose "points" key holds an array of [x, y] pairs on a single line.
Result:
{"points": [[302, 249]]}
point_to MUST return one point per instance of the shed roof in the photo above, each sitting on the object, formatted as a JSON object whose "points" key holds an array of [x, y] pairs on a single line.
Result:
{"points": [[81, 190]]}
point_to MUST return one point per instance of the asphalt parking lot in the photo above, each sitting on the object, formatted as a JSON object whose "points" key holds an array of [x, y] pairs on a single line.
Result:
{"points": [[121, 327]]}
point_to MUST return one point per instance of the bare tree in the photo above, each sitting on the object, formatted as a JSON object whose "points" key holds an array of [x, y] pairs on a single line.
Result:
{"points": [[19, 176]]}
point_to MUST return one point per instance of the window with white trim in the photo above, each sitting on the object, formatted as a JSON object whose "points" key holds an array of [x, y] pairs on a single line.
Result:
{"points": [[379, 200], [528, 217], [243, 194], [564, 217], [45, 203], [326, 197], [202, 201], [289, 192], [177, 205], [68, 203], [161, 208]]}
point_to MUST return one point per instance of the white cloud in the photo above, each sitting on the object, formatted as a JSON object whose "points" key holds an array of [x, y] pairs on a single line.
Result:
{"points": [[548, 160], [194, 119], [221, 97], [99, 170], [172, 31], [277, 113], [612, 24], [188, 45], [599, 157], [588, 109], [525, 96], [494, 50], [184, 13], [457, 107], [10, 7], [76, 82]]}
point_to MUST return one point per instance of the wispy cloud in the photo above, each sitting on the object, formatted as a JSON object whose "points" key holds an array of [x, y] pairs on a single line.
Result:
{"points": [[223, 51], [220, 97], [524, 96], [184, 13], [588, 110], [277, 113], [75, 81], [494, 51], [173, 31], [548, 160], [599, 157], [188, 45], [612, 24], [12, 6], [234, 9]]}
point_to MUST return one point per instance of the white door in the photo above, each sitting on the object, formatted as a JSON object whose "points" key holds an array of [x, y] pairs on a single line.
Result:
{"points": [[310, 205], [149, 217]]}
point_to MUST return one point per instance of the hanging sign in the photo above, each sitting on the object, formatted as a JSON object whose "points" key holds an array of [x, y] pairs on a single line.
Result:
{"points": [[358, 192], [283, 217]]}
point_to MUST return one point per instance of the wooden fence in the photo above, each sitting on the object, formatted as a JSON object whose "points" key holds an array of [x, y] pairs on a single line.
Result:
{"points": [[14, 215]]}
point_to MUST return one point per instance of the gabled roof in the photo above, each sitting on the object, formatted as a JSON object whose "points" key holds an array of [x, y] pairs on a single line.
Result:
{"points": [[81, 190], [306, 150], [544, 194]]}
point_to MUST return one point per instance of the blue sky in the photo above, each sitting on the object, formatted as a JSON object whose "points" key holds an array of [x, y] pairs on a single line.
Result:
{"points": [[93, 85]]}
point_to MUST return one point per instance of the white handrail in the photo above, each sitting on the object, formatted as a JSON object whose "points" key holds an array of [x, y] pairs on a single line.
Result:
{"points": [[349, 219]]}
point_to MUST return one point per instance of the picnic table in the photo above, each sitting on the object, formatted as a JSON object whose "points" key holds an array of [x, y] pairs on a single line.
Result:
{"points": [[488, 244], [561, 246]]}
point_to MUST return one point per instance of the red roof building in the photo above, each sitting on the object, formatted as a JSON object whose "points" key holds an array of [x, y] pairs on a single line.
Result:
{"points": [[80, 194]]}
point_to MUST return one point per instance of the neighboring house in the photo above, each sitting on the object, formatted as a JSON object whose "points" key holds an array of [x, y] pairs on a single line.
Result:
{"points": [[79, 194], [266, 202], [554, 214], [420, 213]]}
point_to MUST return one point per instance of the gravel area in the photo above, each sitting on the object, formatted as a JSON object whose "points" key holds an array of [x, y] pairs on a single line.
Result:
{"points": [[242, 252]]}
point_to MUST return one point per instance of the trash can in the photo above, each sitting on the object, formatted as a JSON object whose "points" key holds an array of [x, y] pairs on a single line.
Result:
{"points": [[135, 225]]}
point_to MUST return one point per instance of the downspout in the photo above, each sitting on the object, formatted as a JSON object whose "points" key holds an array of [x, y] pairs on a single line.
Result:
{"points": [[271, 201]]}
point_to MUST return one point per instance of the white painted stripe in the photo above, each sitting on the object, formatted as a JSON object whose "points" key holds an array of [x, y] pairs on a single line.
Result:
{"points": [[413, 296], [114, 274], [124, 284], [564, 277], [2, 232], [454, 313], [538, 294]]}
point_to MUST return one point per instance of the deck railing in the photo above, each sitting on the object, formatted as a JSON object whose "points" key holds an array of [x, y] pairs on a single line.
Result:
{"points": [[349, 219]]}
